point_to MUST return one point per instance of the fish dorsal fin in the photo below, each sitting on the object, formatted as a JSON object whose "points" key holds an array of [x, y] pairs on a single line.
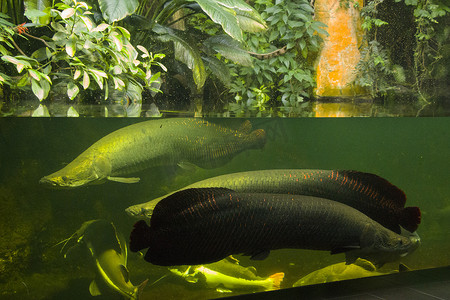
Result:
{"points": [[386, 190], [246, 127], [365, 264], [183, 200], [231, 259], [125, 273], [93, 289]]}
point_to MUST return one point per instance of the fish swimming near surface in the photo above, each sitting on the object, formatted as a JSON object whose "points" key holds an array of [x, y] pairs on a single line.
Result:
{"points": [[227, 275], [109, 250], [198, 226], [371, 194], [155, 143], [342, 271]]}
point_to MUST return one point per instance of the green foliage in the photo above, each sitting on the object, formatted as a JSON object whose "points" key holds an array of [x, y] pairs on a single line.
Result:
{"points": [[83, 57], [376, 70], [283, 80], [233, 16]]}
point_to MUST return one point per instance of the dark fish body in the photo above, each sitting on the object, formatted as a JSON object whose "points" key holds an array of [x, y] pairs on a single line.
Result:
{"points": [[198, 226], [373, 195], [156, 143]]}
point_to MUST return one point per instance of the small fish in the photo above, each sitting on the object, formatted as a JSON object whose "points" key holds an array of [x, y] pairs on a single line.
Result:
{"points": [[109, 251], [155, 143], [228, 274], [341, 271], [368, 193], [198, 226]]}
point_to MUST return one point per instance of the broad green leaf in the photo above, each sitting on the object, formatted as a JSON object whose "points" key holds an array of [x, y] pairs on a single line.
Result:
{"points": [[76, 74], [86, 80], [37, 89], [87, 22], [230, 49], [218, 69], [99, 73], [67, 13], [185, 53], [235, 4], [72, 90], [71, 112], [225, 17], [20, 64], [118, 83], [34, 74], [97, 78], [249, 22], [38, 11], [100, 27], [116, 41], [71, 46], [115, 10]]}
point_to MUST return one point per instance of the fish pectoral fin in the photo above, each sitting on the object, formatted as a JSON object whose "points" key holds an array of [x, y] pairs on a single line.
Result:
{"points": [[365, 264], [93, 289], [187, 166], [125, 273], [259, 255], [124, 179], [344, 249]]}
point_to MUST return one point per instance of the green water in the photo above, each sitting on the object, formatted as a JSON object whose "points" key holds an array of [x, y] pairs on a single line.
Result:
{"points": [[412, 153]]}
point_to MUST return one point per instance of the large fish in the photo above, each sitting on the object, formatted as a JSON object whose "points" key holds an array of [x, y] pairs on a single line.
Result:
{"points": [[368, 193], [227, 275], [341, 271], [109, 250], [198, 226], [155, 143]]}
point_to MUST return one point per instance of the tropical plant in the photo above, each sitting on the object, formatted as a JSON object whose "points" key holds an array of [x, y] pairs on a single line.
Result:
{"points": [[83, 58], [427, 50], [279, 80]]}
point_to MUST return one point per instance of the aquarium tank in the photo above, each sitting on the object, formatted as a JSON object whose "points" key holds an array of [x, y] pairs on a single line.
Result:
{"points": [[199, 149]]}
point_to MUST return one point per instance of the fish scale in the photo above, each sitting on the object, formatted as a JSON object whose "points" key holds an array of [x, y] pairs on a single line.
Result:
{"points": [[290, 221]]}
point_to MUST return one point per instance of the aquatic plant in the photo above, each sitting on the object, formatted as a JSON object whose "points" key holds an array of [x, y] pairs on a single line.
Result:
{"points": [[82, 58]]}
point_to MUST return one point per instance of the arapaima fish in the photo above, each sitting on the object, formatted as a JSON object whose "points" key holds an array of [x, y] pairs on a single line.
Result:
{"points": [[162, 142], [371, 194], [198, 226]]}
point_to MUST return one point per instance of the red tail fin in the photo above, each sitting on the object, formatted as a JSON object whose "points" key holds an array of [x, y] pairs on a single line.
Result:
{"points": [[410, 218], [139, 236], [277, 278]]}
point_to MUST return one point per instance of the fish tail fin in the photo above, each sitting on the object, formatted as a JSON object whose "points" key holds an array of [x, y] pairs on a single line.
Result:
{"points": [[410, 218], [139, 236], [276, 280], [140, 288], [257, 138]]}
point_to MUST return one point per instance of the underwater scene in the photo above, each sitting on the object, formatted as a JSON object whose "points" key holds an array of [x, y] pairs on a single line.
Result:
{"points": [[193, 208]]}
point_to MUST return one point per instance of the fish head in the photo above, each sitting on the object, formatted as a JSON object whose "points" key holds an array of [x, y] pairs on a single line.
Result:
{"points": [[381, 245], [80, 172]]}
